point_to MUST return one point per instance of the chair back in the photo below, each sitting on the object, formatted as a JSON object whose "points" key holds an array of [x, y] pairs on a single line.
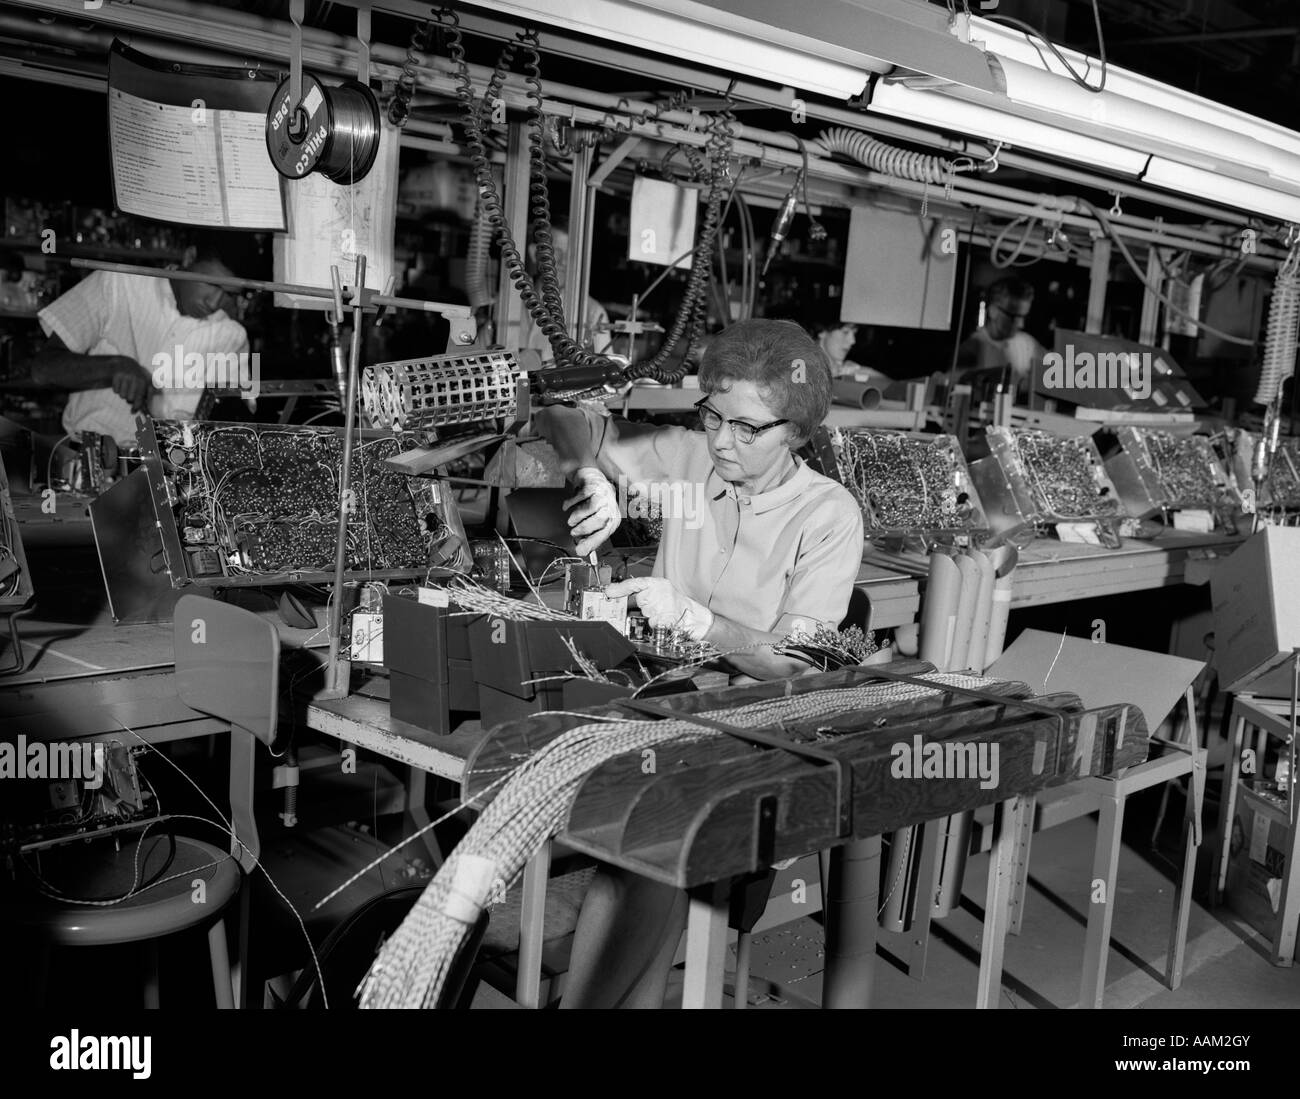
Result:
{"points": [[227, 663]]}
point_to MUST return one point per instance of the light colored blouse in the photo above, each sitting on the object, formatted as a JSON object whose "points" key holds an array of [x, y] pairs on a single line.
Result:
{"points": [[774, 561]]}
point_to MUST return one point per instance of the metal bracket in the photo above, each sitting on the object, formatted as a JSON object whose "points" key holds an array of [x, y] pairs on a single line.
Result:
{"points": [[363, 43], [297, 13]]}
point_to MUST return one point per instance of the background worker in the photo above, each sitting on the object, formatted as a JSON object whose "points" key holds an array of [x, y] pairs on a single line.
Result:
{"points": [[1001, 342], [105, 331]]}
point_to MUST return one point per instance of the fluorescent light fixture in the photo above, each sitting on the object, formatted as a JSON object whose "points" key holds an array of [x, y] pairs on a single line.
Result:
{"points": [[692, 32], [933, 108], [1216, 187], [1008, 43], [1034, 93]]}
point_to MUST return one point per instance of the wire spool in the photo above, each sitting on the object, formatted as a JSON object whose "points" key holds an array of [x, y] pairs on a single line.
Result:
{"points": [[334, 131]]}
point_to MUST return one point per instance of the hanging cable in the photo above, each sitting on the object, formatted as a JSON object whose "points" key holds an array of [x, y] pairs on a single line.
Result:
{"points": [[1172, 306], [399, 107], [543, 303], [1033, 32]]}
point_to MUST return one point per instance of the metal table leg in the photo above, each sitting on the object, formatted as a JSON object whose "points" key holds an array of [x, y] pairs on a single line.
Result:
{"points": [[997, 903]]}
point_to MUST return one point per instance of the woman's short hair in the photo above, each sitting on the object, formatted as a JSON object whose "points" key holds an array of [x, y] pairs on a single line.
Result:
{"points": [[790, 371]]}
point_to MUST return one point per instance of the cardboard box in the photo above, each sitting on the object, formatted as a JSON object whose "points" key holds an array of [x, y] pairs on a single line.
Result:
{"points": [[1256, 595], [1256, 860]]}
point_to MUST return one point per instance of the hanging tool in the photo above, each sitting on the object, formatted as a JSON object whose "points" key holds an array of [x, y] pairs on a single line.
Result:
{"points": [[781, 226]]}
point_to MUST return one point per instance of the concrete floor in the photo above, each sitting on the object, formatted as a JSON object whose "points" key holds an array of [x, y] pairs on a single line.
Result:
{"points": [[1226, 964]]}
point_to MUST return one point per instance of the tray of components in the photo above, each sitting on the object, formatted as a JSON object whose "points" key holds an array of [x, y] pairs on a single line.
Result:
{"points": [[908, 483], [248, 504]]}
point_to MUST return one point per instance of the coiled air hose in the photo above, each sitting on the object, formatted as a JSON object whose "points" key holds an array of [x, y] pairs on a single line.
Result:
{"points": [[476, 260], [888, 159], [1280, 335], [399, 107]]}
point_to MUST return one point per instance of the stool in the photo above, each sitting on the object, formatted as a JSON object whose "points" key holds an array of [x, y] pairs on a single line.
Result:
{"points": [[175, 904], [1268, 717]]}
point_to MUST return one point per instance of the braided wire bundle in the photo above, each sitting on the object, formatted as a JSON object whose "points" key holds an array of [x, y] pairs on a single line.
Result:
{"points": [[413, 965]]}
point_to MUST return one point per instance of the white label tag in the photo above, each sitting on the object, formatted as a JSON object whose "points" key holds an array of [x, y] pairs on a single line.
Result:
{"points": [[1259, 839], [312, 100], [1195, 520], [1082, 533], [599, 607], [434, 597], [367, 637]]}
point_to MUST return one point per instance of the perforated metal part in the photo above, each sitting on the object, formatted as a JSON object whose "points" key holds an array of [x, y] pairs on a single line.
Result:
{"points": [[441, 390]]}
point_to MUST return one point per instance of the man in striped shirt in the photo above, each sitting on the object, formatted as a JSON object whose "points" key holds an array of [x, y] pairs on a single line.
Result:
{"points": [[106, 333]]}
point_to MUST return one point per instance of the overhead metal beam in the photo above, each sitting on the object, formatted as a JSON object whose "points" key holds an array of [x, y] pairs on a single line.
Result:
{"points": [[1208, 36]]}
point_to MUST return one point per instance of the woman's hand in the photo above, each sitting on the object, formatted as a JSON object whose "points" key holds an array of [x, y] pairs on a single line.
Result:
{"points": [[664, 606], [594, 514]]}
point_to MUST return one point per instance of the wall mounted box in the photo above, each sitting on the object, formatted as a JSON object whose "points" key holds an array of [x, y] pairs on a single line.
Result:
{"points": [[1256, 595]]}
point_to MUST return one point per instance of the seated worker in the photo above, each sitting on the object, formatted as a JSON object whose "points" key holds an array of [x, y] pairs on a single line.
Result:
{"points": [[773, 548], [105, 332], [593, 331], [836, 339], [1001, 343]]}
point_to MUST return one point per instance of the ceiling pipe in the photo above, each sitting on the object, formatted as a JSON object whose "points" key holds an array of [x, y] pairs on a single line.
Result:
{"points": [[268, 38]]}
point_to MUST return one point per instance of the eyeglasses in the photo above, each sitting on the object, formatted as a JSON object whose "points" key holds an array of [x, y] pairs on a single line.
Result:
{"points": [[745, 433]]}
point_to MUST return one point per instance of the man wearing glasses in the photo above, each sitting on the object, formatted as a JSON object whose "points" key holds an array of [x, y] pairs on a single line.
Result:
{"points": [[776, 551], [105, 332], [1000, 351]]}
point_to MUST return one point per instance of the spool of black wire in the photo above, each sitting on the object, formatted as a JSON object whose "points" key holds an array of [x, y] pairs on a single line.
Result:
{"points": [[334, 131]]}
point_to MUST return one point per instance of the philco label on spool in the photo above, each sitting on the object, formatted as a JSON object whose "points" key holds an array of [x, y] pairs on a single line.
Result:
{"points": [[297, 158]]}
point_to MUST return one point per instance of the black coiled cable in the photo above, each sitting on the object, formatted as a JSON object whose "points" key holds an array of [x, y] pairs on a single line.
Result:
{"points": [[399, 108], [546, 307]]}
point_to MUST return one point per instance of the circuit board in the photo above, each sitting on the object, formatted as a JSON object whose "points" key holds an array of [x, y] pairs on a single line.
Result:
{"points": [[255, 503], [1063, 475], [907, 483]]}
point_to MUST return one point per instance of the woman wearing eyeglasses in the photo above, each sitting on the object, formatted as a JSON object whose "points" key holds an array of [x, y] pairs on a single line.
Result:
{"points": [[775, 548]]}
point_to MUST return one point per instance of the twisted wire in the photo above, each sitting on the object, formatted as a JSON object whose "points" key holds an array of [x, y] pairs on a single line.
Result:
{"points": [[399, 108], [543, 299], [413, 965]]}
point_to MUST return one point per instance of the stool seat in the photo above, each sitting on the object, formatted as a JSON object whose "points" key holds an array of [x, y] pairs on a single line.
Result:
{"points": [[92, 871]]}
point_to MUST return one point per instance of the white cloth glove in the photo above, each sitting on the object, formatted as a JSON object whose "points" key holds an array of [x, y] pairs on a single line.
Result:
{"points": [[664, 606], [593, 510]]}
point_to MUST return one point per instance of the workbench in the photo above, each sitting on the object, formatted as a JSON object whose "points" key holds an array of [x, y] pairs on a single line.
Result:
{"points": [[1059, 572]]}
